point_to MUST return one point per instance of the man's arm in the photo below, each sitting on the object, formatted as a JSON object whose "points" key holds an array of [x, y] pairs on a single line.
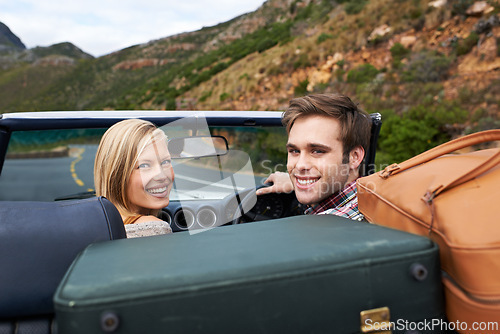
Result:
{"points": [[281, 183]]}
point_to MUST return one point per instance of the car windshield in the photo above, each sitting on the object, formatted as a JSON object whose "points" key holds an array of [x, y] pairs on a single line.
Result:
{"points": [[52, 165]]}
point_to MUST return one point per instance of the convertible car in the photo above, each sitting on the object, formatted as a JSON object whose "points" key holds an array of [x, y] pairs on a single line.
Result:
{"points": [[260, 264], [49, 156]]}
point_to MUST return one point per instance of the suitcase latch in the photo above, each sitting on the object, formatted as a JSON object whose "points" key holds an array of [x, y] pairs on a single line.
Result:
{"points": [[377, 320]]}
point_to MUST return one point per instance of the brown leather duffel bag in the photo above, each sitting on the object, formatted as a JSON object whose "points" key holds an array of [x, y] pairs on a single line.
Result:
{"points": [[455, 200]]}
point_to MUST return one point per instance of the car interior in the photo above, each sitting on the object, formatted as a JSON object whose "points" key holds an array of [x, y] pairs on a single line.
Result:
{"points": [[244, 206], [38, 243]]}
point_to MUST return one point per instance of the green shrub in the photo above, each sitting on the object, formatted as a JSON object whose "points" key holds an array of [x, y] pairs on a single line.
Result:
{"points": [[202, 77], [459, 7], [440, 115], [362, 73], [321, 87], [260, 40], [398, 52], [301, 89], [304, 12], [415, 13], [354, 6], [205, 96], [426, 66], [244, 76], [315, 12], [265, 44], [171, 104], [275, 70], [302, 61], [403, 137], [478, 115], [339, 75], [417, 130], [224, 96], [466, 45], [218, 68], [485, 123], [423, 93], [323, 37]]}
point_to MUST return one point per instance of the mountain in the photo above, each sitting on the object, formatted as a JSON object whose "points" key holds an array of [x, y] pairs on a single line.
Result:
{"points": [[431, 68], [63, 49], [8, 40], [27, 74]]}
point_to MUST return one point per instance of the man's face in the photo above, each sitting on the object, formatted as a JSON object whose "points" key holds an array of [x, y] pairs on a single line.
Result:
{"points": [[315, 158]]}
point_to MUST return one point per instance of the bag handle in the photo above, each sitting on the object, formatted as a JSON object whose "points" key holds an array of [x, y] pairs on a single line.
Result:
{"points": [[451, 146]]}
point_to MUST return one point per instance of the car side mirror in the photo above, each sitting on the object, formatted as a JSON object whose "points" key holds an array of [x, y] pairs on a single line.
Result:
{"points": [[197, 147]]}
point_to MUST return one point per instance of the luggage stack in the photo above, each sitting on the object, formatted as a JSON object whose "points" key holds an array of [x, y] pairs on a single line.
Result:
{"points": [[303, 274]]}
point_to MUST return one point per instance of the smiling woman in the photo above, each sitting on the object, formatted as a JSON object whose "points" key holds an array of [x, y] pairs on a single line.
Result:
{"points": [[132, 169]]}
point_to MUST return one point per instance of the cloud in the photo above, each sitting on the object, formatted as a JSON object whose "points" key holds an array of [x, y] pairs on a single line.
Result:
{"points": [[102, 26]]}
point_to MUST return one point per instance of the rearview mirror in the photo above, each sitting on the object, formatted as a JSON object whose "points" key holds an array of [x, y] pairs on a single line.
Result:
{"points": [[197, 147]]}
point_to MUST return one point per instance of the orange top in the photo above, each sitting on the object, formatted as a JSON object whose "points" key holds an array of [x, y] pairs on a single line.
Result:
{"points": [[131, 219]]}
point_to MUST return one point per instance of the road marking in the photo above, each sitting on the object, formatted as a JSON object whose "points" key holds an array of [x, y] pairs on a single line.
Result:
{"points": [[72, 167]]}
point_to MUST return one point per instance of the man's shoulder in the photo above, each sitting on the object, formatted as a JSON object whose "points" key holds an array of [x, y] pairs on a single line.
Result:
{"points": [[348, 210]]}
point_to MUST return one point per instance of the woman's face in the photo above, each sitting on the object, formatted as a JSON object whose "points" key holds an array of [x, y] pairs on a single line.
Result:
{"points": [[151, 180]]}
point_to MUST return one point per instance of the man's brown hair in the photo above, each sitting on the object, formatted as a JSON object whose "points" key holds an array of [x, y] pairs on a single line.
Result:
{"points": [[355, 123]]}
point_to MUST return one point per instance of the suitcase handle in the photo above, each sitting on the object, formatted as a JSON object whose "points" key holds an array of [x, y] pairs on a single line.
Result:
{"points": [[451, 146]]}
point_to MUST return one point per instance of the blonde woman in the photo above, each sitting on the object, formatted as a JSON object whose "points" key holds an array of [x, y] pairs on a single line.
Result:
{"points": [[133, 170]]}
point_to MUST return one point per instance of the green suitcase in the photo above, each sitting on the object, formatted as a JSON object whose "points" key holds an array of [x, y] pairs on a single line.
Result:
{"points": [[304, 274]]}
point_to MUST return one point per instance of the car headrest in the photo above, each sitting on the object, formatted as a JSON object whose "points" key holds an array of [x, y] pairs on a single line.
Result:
{"points": [[39, 241]]}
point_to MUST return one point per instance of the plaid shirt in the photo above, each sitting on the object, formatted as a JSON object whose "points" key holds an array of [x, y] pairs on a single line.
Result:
{"points": [[344, 204]]}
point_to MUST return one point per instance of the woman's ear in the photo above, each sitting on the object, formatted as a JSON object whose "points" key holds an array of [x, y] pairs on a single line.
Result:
{"points": [[356, 157]]}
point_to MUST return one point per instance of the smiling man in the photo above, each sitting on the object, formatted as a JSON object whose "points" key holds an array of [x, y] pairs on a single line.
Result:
{"points": [[328, 136]]}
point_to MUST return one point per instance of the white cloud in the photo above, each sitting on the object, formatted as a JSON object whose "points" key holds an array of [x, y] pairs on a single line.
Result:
{"points": [[102, 26]]}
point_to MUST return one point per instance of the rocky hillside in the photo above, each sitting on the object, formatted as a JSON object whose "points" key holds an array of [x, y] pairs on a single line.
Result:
{"points": [[9, 41], [430, 67]]}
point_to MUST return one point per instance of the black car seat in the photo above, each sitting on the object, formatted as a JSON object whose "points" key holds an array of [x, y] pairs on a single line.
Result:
{"points": [[38, 242]]}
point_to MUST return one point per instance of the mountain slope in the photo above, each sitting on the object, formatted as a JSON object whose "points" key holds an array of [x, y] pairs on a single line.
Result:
{"points": [[8, 40], [138, 74], [431, 68]]}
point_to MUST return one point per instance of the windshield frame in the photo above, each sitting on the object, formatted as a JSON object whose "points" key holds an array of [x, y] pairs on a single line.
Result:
{"points": [[255, 124], [53, 120]]}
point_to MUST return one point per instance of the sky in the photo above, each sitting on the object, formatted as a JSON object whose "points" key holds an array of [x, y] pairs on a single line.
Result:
{"points": [[100, 27]]}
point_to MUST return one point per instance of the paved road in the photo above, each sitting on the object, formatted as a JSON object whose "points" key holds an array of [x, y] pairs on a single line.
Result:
{"points": [[45, 179]]}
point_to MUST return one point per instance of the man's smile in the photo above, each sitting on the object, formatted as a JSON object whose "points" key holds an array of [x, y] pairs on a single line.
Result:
{"points": [[305, 182]]}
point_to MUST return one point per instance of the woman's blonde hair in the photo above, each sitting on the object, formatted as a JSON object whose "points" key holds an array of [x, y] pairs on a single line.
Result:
{"points": [[116, 157]]}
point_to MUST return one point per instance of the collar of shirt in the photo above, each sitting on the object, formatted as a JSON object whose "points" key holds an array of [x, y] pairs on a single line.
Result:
{"points": [[335, 200]]}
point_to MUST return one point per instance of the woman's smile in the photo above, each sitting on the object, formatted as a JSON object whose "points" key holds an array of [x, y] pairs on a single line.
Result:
{"points": [[158, 191]]}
